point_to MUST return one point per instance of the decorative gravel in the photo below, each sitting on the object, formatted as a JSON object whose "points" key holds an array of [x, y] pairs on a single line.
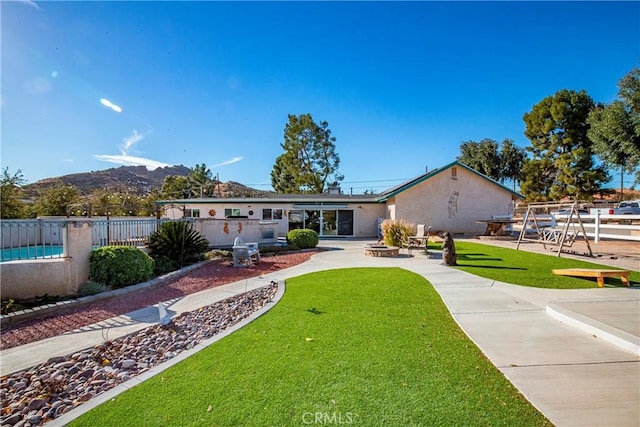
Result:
{"points": [[44, 392], [212, 274]]}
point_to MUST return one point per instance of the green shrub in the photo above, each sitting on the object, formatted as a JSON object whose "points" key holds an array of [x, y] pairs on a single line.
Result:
{"points": [[165, 265], [396, 231], [303, 238], [179, 242], [120, 266], [276, 249], [92, 288]]}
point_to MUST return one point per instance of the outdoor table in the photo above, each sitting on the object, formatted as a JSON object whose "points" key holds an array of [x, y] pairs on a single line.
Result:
{"points": [[496, 227]]}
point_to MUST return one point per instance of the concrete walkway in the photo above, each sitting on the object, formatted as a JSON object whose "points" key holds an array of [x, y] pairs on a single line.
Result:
{"points": [[572, 353]]}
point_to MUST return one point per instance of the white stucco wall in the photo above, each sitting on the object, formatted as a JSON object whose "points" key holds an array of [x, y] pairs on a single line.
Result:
{"points": [[223, 232], [365, 215], [453, 204]]}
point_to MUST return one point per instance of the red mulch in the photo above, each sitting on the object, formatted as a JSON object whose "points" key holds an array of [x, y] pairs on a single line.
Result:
{"points": [[213, 274]]}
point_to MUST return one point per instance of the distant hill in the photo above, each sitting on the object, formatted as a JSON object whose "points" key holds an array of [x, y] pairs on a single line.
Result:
{"points": [[134, 179]]}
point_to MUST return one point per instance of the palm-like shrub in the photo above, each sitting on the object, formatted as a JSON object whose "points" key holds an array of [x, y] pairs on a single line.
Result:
{"points": [[175, 244], [396, 231]]}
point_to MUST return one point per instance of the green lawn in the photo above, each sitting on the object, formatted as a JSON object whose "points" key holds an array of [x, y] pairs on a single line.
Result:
{"points": [[527, 268], [367, 346]]}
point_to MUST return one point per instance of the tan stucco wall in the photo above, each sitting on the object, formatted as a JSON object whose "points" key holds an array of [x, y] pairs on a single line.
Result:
{"points": [[365, 219], [365, 215], [60, 276], [453, 204], [30, 278]]}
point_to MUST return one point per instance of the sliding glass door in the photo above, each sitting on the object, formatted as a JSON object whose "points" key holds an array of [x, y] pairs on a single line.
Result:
{"points": [[326, 223]]}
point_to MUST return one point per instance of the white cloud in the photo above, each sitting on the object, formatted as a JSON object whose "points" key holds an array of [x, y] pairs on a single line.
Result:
{"points": [[111, 105], [124, 158], [129, 141], [228, 162], [130, 161], [32, 4]]}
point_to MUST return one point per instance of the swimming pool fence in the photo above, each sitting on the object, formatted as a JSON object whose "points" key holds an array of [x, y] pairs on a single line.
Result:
{"points": [[44, 238]]}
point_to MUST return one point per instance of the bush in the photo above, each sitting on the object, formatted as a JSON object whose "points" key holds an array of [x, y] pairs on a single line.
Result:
{"points": [[179, 242], [303, 238], [396, 231], [120, 266], [165, 265], [276, 249], [92, 288]]}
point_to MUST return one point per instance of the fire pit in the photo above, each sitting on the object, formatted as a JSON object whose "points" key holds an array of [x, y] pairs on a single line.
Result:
{"points": [[379, 250]]}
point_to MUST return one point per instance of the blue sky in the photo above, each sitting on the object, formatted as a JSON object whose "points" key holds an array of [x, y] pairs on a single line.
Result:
{"points": [[93, 85]]}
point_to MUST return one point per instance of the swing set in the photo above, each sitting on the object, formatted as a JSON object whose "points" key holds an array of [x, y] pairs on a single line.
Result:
{"points": [[540, 226]]}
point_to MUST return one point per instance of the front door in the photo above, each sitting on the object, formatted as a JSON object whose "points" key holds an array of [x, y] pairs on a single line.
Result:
{"points": [[345, 223]]}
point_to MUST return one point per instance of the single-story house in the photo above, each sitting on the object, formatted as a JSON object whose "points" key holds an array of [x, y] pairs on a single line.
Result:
{"points": [[452, 198]]}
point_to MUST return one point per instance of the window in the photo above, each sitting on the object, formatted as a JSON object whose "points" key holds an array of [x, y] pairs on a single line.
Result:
{"points": [[454, 172], [191, 213], [271, 214], [231, 212]]}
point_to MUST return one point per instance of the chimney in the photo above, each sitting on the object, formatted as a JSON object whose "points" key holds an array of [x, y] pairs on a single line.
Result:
{"points": [[334, 189]]}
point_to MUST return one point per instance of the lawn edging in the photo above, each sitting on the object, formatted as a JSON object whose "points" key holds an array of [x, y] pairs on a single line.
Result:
{"points": [[152, 372]]}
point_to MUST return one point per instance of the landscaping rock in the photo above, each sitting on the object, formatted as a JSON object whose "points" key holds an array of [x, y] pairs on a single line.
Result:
{"points": [[37, 403], [75, 379]]}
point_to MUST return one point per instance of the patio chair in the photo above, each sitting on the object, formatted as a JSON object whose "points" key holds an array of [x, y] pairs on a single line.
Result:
{"points": [[418, 241], [244, 253]]}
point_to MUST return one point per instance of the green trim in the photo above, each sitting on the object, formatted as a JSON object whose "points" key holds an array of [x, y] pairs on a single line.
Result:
{"points": [[402, 187]]}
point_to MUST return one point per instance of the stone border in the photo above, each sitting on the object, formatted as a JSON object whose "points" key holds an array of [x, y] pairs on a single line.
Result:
{"points": [[112, 393], [387, 251], [47, 309]]}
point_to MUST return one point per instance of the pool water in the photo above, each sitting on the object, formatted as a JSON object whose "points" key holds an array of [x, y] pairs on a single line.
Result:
{"points": [[31, 252]]}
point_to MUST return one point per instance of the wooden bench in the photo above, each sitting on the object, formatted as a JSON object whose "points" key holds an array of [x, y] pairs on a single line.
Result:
{"points": [[594, 272], [244, 253]]}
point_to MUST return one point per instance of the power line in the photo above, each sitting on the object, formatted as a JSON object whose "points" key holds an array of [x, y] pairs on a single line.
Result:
{"points": [[347, 182]]}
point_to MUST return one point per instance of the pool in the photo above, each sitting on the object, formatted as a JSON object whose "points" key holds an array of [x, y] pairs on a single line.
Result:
{"points": [[31, 252]]}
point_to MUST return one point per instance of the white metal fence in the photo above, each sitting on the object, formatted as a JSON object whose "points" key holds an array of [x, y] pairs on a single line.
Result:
{"points": [[46, 238], [597, 227]]}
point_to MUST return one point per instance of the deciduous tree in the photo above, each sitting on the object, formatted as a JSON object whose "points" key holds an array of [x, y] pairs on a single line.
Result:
{"points": [[557, 128], [11, 204], [482, 156], [500, 163], [512, 160], [310, 160], [55, 200], [176, 187], [615, 128], [201, 181]]}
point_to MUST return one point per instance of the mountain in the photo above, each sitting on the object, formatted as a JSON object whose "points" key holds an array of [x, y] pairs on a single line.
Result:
{"points": [[132, 179]]}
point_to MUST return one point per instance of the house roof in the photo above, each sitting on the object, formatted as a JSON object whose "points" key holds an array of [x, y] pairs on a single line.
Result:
{"points": [[392, 192], [311, 199], [325, 198]]}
